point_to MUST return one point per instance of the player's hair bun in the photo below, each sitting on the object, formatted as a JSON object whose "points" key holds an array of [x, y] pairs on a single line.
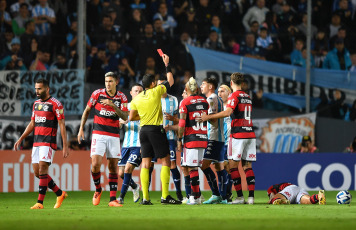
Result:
{"points": [[192, 84]]}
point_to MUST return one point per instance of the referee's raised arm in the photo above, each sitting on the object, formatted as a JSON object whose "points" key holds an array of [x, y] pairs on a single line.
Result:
{"points": [[170, 78]]}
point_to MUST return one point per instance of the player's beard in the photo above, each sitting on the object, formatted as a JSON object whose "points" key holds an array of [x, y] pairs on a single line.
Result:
{"points": [[42, 96]]}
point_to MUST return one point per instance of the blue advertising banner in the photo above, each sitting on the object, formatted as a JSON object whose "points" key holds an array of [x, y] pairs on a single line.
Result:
{"points": [[17, 90], [329, 171]]}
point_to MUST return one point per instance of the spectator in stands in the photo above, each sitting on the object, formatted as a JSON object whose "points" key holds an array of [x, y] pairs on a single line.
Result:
{"points": [[287, 18], [257, 100], [161, 34], [189, 24], [249, 48], [109, 7], [5, 18], [337, 106], [220, 29], [213, 43], [138, 4], [72, 37], [271, 24], [13, 60], [169, 23], [104, 32], [61, 62], [302, 27], [352, 147], [94, 14], [307, 146], [302, 62], [203, 18], [29, 43], [233, 46], [254, 27], [319, 48], [334, 25], [338, 58], [345, 13], [180, 8], [5, 41], [277, 7], [97, 64], [255, 13], [113, 55], [264, 39], [183, 59], [137, 24], [41, 63], [150, 67], [18, 23], [341, 34], [15, 7], [353, 61], [44, 17], [126, 74], [296, 55]]}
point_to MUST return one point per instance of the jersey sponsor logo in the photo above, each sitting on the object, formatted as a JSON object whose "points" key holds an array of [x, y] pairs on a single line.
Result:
{"points": [[202, 136], [243, 95], [247, 128], [200, 107], [246, 101], [39, 119], [193, 101], [107, 113]]}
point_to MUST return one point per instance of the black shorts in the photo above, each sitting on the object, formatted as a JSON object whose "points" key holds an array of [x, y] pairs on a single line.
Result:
{"points": [[153, 141]]}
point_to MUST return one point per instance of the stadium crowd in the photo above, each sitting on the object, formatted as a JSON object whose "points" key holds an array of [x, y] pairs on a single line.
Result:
{"points": [[122, 36]]}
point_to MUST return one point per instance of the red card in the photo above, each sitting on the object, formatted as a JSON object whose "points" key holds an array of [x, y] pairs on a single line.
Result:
{"points": [[160, 52]]}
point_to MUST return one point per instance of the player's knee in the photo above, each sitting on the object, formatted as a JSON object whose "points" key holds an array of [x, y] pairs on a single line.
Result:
{"points": [[129, 168]]}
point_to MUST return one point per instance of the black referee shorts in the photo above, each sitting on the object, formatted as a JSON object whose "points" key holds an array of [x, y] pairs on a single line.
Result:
{"points": [[153, 141]]}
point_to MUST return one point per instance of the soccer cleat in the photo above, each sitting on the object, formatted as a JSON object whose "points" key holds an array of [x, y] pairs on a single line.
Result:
{"points": [[185, 200], [60, 199], [136, 193], [193, 201], [250, 200], [179, 196], [170, 200], [202, 198], [213, 200], [37, 206], [281, 202], [238, 200], [321, 197], [114, 203], [224, 202], [146, 202], [96, 198], [120, 200]]}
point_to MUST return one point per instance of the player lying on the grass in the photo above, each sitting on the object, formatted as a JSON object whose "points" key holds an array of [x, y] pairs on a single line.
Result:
{"points": [[287, 193]]}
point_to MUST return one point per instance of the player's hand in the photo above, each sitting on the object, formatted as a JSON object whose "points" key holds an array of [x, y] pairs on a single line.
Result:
{"points": [[80, 136], [17, 145], [107, 102], [165, 59], [203, 117], [168, 117], [179, 146], [65, 152], [167, 128]]}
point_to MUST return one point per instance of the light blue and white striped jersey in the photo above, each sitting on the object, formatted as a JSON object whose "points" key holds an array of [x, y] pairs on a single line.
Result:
{"points": [[227, 128], [44, 28], [216, 128], [170, 106], [132, 134], [15, 8]]}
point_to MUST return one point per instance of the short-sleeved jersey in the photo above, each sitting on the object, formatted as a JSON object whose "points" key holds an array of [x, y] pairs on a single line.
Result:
{"points": [[148, 105], [46, 115], [132, 132], [38, 11], [106, 121], [241, 121], [215, 128], [170, 106], [195, 133], [277, 188], [227, 128]]}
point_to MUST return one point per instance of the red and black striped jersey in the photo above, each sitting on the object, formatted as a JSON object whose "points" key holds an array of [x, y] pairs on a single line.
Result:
{"points": [[277, 188], [195, 133], [241, 121], [106, 121], [46, 115]]}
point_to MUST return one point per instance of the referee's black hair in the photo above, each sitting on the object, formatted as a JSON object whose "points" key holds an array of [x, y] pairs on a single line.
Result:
{"points": [[147, 80], [212, 80], [43, 81]]}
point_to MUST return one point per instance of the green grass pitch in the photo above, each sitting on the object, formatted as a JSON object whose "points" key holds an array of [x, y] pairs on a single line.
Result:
{"points": [[77, 212]]}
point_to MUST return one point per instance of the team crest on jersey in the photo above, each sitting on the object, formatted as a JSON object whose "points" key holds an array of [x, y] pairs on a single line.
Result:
{"points": [[117, 103], [45, 108]]}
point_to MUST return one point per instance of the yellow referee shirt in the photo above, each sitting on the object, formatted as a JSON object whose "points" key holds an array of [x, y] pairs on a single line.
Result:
{"points": [[148, 105]]}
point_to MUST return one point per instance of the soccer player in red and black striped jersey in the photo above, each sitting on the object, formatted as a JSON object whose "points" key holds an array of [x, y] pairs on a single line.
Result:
{"points": [[242, 143], [195, 136], [110, 105], [287, 193], [47, 114]]}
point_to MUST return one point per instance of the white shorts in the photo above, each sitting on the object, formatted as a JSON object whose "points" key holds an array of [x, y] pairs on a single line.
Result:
{"points": [[42, 153], [293, 193], [192, 157], [101, 144], [244, 149]]}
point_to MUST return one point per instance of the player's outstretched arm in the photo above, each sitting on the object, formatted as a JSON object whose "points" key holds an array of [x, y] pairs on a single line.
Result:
{"points": [[170, 78], [62, 126], [82, 123], [29, 129], [222, 114]]}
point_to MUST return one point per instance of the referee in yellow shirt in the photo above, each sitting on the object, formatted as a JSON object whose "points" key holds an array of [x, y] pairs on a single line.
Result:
{"points": [[147, 108]]}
